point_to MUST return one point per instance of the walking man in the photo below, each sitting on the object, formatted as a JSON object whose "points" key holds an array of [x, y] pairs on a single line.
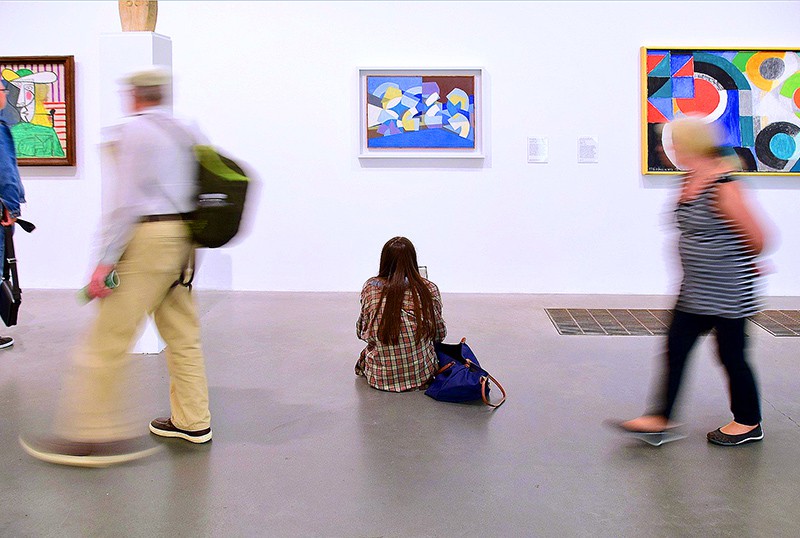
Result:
{"points": [[147, 243]]}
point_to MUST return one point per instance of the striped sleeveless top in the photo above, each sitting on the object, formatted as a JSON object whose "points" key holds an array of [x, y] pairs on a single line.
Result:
{"points": [[719, 271]]}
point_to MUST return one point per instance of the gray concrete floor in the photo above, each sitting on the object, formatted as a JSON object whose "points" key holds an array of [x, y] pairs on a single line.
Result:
{"points": [[304, 448]]}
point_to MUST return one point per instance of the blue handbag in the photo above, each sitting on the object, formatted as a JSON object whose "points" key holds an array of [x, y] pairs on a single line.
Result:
{"points": [[460, 377]]}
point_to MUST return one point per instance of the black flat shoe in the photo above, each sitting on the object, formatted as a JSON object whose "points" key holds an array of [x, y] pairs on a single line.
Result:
{"points": [[723, 439]]}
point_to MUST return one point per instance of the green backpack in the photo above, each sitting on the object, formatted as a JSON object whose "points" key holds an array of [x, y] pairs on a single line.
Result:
{"points": [[222, 191]]}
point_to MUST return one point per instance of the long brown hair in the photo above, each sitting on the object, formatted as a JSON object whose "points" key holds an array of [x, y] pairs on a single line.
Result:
{"points": [[399, 272]]}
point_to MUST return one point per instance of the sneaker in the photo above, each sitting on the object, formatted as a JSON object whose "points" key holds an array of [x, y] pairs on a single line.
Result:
{"points": [[723, 439], [165, 428], [82, 454], [6, 341]]}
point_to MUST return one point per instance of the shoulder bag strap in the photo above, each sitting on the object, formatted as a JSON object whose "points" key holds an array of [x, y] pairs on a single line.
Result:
{"points": [[484, 380], [10, 263], [483, 391], [170, 125]]}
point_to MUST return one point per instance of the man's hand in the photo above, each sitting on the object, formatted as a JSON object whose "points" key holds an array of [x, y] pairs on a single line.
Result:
{"points": [[97, 286]]}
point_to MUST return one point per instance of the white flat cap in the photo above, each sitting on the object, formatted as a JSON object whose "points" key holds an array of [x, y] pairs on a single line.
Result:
{"points": [[150, 76]]}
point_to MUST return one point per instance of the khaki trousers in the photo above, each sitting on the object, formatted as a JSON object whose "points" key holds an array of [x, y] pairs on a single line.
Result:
{"points": [[94, 406]]}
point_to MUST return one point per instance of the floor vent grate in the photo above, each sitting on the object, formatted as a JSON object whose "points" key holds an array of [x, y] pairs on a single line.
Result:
{"points": [[610, 322], [779, 322]]}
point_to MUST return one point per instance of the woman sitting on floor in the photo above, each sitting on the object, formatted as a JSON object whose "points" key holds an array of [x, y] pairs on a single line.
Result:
{"points": [[401, 318]]}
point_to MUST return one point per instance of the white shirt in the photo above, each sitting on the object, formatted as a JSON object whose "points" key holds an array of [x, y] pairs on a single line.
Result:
{"points": [[154, 174]]}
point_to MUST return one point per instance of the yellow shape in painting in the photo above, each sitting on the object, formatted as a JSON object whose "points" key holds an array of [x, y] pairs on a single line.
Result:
{"points": [[460, 125], [9, 75], [459, 98], [410, 123], [773, 68], [391, 98], [41, 116]]}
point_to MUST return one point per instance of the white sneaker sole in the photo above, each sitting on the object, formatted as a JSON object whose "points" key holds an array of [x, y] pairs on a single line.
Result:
{"points": [[86, 461], [198, 439]]}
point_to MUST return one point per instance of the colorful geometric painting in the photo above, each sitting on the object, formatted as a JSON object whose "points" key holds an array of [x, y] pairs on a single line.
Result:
{"points": [[420, 111], [751, 96], [40, 108]]}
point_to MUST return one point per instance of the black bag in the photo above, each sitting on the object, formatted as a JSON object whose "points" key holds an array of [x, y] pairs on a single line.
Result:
{"points": [[10, 294], [222, 191]]}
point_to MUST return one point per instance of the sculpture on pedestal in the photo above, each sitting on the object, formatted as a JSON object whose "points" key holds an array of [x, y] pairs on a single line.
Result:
{"points": [[138, 15]]}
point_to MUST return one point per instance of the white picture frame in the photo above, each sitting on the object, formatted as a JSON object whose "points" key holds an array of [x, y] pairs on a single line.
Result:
{"points": [[403, 116]]}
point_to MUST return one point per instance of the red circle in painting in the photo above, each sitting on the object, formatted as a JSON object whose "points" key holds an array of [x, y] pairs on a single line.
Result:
{"points": [[705, 100], [797, 97]]}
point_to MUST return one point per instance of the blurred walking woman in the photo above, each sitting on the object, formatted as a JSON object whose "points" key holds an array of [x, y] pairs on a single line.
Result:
{"points": [[720, 240], [401, 318]]}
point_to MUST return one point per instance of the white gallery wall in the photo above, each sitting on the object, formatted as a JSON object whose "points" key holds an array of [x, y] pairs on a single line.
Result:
{"points": [[276, 85]]}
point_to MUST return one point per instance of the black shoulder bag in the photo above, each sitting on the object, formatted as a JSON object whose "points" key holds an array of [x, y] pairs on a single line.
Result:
{"points": [[10, 293]]}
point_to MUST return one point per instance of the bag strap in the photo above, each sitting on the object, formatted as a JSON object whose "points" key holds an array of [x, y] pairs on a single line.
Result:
{"points": [[483, 391], [10, 263], [171, 126], [187, 273], [469, 364], [487, 376]]}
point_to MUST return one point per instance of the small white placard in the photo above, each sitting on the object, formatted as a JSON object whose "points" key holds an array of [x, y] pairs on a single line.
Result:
{"points": [[587, 149], [538, 150]]}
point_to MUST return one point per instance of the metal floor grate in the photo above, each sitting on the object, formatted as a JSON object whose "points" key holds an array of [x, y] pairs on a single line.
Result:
{"points": [[610, 322], [779, 322]]}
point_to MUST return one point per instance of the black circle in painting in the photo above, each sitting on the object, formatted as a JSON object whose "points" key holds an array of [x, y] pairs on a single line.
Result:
{"points": [[763, 139]]}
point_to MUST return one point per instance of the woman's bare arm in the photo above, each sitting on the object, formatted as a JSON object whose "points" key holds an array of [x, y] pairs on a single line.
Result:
{"points": [[733, 206]]}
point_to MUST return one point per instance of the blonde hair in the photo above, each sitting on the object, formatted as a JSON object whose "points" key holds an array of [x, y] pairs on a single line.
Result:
{"points": [[693, 136]]}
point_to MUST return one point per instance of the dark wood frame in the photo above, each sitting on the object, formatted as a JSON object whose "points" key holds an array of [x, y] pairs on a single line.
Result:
{"points": [[69, 100]]}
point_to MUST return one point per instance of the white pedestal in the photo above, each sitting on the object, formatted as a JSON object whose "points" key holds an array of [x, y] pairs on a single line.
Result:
{"points": [[120, 54]]}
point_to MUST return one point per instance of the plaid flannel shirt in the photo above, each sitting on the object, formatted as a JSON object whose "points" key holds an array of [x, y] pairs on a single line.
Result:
{"points": [[408, 364]]}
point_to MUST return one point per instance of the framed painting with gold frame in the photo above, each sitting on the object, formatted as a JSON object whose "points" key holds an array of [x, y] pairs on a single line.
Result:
{"points": [[752, 96]]}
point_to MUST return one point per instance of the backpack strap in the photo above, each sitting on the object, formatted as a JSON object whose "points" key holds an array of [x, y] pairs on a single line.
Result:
{"points": [[187, 273], [173, 127]]}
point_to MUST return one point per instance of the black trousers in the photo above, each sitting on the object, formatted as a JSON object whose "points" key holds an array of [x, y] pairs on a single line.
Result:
{"points": [[684, 331]]}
